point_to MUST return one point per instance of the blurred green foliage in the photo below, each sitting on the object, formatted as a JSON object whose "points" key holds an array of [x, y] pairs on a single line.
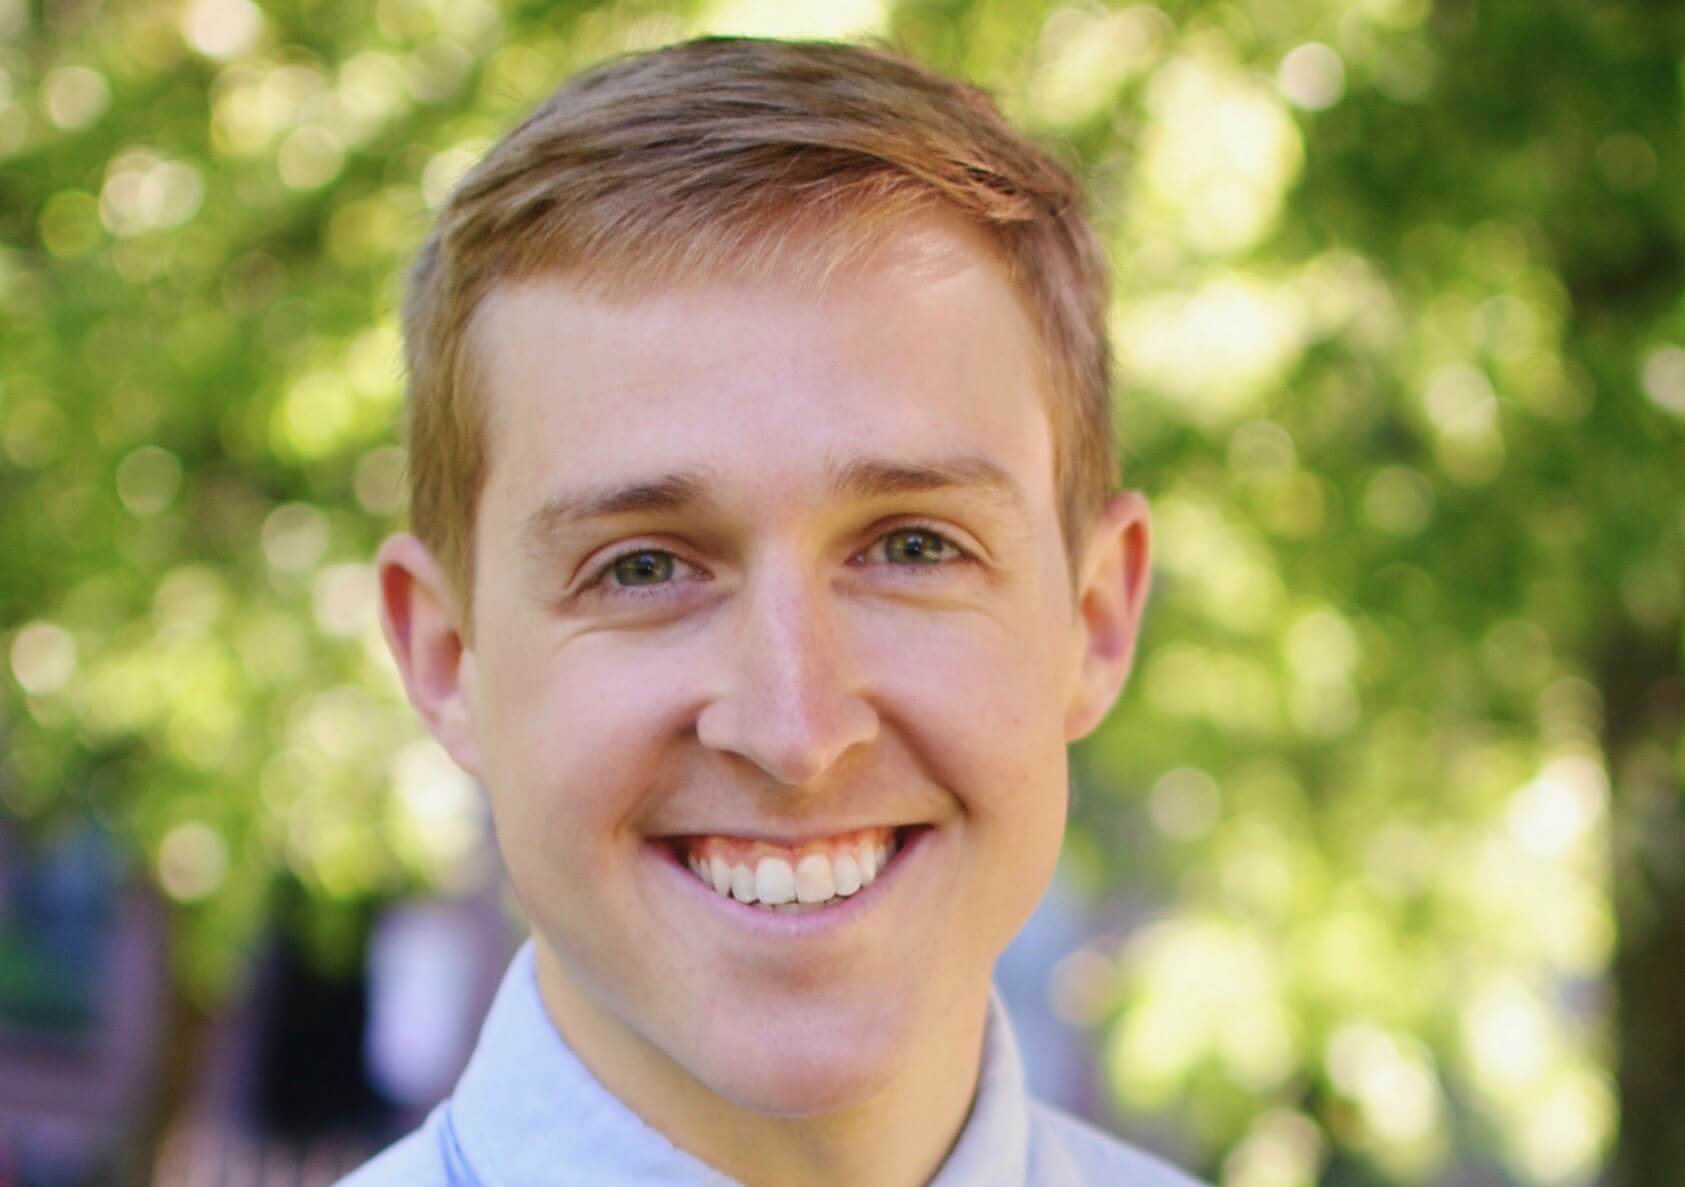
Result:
{"points": [[1399, 310]]}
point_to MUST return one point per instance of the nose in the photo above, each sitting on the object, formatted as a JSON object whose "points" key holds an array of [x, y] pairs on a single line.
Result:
{"points": [[788, 700]]}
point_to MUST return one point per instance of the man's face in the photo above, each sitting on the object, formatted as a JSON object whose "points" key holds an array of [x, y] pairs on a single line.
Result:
{"points": [[771, 572]]}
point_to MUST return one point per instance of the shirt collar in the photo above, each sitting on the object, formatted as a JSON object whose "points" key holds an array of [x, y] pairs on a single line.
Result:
{"points": [[526, 1110]]}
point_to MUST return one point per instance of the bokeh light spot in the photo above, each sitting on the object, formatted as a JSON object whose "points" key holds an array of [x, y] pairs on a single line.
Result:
{"points": [[379, 481], [1553, 813], [779, 18], [370, 90], [1312, 76], [1088, 52], [147, 480], [315, 416], [310, 157], [295, 537], [1398, 500], [1215, 350], [1184, 803], [1080, 987], [188, 602], [192, 861], [1261, 449], [43, 658], [1664, 379], [75, 96], [1391, 1079], [144, 192], [1506, 1033], [221, 28], [343, 597], [1460, 401], [1282, 1149], [1219, 154], [69, 224], [1567, 1128], [446, 168], [441, 813]]}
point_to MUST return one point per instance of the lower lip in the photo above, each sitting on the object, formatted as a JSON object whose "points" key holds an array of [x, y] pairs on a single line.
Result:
{"points": [[789, 924]]}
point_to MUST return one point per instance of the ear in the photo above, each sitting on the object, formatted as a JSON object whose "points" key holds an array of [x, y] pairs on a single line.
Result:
{"points": [[1111, 593], [419, 616]]}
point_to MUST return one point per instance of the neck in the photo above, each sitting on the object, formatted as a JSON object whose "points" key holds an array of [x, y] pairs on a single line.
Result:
{"points": [[898, 1136]]}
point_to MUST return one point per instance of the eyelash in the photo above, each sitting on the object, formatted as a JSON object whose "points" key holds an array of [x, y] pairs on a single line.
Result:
{"points": [[601, 577]]}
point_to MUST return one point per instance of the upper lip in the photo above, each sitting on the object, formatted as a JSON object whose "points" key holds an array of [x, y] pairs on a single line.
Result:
{"points": [[770, 837]]}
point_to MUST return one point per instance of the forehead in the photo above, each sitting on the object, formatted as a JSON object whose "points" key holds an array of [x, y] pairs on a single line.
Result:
{"points": [[919, 349]]}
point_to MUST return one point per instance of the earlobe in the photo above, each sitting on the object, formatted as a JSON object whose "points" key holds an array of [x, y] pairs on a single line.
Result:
{"points": [[1111, 596], [419, 616]]}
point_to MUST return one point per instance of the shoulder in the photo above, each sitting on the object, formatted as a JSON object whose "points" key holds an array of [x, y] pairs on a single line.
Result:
{"points": [[419, 1160], [1073, 1151]]}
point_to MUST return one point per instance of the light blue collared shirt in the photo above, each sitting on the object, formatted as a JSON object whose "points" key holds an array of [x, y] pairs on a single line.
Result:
{"points": [[526, 1113]]}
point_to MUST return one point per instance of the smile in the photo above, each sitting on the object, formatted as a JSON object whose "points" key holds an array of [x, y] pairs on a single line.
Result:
{"points": [[790, 879]]}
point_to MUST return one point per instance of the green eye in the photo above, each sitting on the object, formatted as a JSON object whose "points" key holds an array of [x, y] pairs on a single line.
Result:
{"points": [[644, 568], [915, 546]]}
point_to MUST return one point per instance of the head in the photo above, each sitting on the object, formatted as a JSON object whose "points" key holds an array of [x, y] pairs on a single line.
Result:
{"points": [[763, 513], [740, 158]]}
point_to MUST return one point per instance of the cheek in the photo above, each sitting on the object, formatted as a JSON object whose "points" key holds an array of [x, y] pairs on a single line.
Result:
{"points": [[576, 737], [976, 696], [977, 709]]}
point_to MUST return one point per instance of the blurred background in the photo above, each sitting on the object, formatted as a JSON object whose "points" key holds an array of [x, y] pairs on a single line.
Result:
{"points": [[1376, 877]]}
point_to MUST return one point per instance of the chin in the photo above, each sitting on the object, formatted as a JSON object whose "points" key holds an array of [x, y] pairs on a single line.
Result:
{"points": [[804, 1076], [811, 1092]]}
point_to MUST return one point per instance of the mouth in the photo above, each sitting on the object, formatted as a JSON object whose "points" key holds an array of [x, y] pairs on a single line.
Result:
{"points": [[816, 877]]}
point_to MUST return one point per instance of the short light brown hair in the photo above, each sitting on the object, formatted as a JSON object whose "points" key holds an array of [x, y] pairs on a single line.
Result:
{"points": [[734, 156]]}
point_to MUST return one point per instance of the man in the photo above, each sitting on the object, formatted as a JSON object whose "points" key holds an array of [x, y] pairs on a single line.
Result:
{"points": [[767, 558]]}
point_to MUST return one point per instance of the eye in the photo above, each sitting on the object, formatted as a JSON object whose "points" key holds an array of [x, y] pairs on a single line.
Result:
{"points": [[916, 546], [643, 568], [641, 572]]}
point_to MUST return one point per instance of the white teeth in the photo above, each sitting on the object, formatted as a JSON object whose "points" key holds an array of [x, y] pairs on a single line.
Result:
{"points": [[845, 872], [816, 880], [813, 879], [774, 883]]}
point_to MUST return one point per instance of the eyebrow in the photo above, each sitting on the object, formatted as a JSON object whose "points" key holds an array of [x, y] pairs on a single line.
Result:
{"points": [[859, 480], [876, 478], [670, 492]]}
